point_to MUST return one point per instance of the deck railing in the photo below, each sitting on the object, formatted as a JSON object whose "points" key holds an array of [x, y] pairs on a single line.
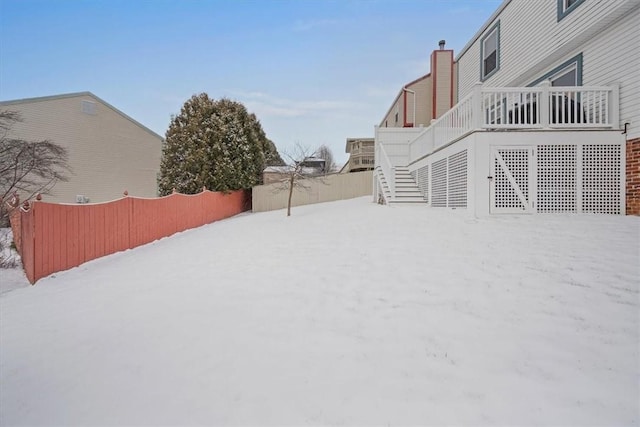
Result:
{"points": [[388, 171], [546, 107], [513, 108]]}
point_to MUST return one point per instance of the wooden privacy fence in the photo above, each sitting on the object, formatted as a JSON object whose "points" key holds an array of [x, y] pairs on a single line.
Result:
{"points": [[338, 186], [54, 237]]}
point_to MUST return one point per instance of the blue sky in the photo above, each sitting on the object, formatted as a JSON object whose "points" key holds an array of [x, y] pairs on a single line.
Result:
{"points": [[313, 71]]}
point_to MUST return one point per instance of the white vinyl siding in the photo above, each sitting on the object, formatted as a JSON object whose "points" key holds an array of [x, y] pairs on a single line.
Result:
{"points": [[614, 57], [532, 40], [606, 33]]}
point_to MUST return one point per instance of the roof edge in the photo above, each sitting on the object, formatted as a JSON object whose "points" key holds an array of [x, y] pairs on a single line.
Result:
{"points": [[77, 95], [482, 29]]}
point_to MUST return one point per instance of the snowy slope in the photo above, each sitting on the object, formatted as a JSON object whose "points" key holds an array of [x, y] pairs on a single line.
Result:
{"points": [[346, 313]]}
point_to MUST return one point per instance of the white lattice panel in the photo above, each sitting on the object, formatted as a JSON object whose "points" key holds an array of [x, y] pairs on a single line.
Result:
{"points": [[457, 180], [601, 178], [511, 179], [439, 184], [423, 181], [556, 178]]}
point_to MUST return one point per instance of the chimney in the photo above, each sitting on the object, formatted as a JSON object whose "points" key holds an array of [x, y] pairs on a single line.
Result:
{"points": [[441, 44]]}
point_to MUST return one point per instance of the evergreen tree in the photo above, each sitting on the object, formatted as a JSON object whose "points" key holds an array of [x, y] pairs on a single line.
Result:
{"points": [[216, 144]]}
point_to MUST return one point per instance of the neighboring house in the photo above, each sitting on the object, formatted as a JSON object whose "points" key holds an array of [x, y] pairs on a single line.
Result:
{"points": [[311, 166], [426, 98], [361, 154], [547, 100], [109, 152]]}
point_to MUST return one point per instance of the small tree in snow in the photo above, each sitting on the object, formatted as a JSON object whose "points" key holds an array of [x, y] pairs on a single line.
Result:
{"points": [[300, 173]]}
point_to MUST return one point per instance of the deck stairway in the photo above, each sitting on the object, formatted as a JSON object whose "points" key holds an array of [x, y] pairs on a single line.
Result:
{"points": [[406, 190]]}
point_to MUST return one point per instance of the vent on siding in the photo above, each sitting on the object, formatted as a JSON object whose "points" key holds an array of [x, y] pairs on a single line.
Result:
{"points": [[458, 180], [439, 184], [601, 182], [88, 107]]}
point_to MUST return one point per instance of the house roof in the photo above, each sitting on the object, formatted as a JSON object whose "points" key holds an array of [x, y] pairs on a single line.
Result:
{"points": [[77, 95], [411, 83], [482, 29]]}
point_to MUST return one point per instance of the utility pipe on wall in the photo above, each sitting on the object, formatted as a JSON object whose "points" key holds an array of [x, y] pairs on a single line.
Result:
{"points": [[413, 122]]}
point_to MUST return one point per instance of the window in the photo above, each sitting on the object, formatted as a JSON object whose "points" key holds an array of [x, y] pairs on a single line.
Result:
{"points": [[565, 7], [567, 77], [490, 52], [569, 73]]}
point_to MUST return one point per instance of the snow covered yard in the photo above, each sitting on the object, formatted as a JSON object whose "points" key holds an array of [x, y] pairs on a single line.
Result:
{"points": [[346, 313]]}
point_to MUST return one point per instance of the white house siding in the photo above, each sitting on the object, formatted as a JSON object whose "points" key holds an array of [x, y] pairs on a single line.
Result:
{"points": [[614, 56], [532, 39], [108, 152]]}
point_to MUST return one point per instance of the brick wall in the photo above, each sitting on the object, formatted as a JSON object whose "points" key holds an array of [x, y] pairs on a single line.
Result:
{"points": [[633, 177]]}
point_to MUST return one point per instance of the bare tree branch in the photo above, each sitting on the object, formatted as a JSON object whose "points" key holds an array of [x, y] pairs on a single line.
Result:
{"points": [[27, 168], [298, 172]]}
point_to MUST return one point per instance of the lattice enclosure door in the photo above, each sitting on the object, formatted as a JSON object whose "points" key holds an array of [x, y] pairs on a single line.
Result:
{"points": [[439, 184], [512, 177], [556, 172], [457, 180], [601, 178]]}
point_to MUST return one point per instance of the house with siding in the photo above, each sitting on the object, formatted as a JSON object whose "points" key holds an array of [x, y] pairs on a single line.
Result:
{"points": [[360, 152], [109, 152], [427, 97], [546, 117]]}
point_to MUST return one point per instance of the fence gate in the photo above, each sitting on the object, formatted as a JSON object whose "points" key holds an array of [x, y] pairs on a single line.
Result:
{"points": [[512, 180]]}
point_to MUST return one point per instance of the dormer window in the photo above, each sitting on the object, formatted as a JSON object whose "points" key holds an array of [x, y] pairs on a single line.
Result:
{"points": [[490, 52]]}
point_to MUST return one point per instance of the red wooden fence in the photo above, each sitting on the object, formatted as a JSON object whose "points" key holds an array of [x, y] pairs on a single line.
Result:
{"points": [[53, 237]]}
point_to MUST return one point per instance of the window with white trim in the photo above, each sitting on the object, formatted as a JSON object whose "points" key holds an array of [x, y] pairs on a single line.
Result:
{"points": [[490, 52]]}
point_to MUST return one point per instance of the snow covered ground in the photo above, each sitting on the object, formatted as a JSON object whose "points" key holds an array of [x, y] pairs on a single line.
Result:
{"points": [[346, 313]]}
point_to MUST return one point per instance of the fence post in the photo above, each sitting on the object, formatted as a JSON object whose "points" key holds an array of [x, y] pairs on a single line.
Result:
{"points": [[545, 102], [614, 106], [476, 107]]}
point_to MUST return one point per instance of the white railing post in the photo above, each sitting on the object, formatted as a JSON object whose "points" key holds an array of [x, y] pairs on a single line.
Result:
{"points": [[375, 163], [614, 106], [544, 104], [477, 116]]}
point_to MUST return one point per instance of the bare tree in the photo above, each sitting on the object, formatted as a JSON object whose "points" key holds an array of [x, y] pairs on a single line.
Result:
{"points": [[300, 172], [325, 153], [27, 168]]}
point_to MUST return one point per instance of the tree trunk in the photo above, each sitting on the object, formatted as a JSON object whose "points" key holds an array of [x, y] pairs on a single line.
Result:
{"points": [[291, 182]]}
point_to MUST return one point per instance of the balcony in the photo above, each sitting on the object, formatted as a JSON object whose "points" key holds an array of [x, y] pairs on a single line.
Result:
{"points": [[362, 158], [495, 116], [492, 109]]}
